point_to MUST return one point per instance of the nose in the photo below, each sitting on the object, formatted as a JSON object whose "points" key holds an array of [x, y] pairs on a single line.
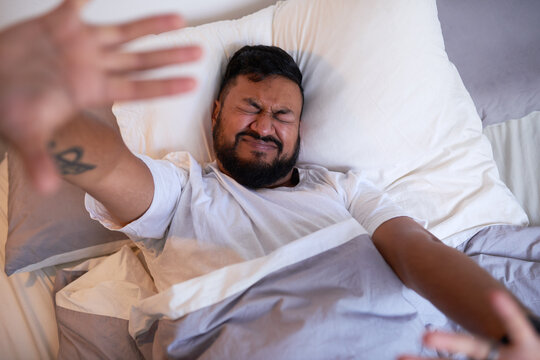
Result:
{"points": [[263, 124]]}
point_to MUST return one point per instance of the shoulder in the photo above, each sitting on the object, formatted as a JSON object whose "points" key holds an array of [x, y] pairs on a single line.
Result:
{"points": [[172, 168]]}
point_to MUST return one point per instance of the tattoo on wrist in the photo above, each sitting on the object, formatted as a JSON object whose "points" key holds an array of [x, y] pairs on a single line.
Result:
{"points": [[69, 161]]}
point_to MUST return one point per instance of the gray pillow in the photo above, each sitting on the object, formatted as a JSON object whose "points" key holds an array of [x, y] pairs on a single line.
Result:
{"points": [[51, 230], [495, 44]]}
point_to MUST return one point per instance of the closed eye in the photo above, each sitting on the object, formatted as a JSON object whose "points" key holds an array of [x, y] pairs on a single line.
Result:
{"points": [[252, 104], [250, 111], [285, 116]]}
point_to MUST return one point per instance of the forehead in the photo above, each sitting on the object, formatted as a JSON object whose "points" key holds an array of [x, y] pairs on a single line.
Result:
{"points": [[271, 91]]}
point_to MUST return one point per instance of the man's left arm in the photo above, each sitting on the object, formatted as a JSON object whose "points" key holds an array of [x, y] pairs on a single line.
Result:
{"points": [[455, 284]]}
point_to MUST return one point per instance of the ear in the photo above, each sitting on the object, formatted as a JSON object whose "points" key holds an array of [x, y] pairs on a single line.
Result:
{"points": [[215, 112]]}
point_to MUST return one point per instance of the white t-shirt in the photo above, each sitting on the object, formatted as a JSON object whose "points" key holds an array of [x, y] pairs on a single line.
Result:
{"points": [[201, 219]]}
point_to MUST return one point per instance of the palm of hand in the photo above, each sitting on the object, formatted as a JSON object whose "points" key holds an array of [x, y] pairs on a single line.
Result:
{"points": [[55, 66]]}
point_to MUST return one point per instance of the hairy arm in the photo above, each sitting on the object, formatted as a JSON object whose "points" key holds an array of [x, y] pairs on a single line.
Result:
{"points": [[90, 153], [449, 279]]}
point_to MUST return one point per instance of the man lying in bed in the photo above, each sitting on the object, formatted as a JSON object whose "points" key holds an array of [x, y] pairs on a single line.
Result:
{"points": [[177, 208]]}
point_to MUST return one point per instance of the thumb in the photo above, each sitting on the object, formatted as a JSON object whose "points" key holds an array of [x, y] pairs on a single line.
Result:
{"points": [[80, 3], [68, 6]]}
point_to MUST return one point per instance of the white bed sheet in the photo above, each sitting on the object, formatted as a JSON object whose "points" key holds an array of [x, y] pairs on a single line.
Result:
{"points": [[516, 149]]}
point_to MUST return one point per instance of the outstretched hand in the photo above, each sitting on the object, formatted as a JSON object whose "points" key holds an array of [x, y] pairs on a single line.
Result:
{"points": [[53, 66], [524, 342]]}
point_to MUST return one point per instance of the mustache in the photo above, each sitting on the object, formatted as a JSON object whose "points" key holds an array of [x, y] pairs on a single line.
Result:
{"points": [[256, 136]]}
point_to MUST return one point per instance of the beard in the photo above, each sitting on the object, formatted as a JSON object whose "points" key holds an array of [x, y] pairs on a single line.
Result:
{"points": [[256, 173]]}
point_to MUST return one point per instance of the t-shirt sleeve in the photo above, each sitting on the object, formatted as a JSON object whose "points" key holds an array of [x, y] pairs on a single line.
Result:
{"points": [[169, 180], [370, 206]]}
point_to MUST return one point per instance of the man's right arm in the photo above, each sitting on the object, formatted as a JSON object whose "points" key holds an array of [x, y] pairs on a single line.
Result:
{"points": [[90, 153]]}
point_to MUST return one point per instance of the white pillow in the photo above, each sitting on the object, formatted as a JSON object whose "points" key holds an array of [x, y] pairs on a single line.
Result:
{"points": [[381, 98], [183, 122]]}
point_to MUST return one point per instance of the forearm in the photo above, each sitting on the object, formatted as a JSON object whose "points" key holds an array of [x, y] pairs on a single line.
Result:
{"points": [[90, 153], [449, 279]]}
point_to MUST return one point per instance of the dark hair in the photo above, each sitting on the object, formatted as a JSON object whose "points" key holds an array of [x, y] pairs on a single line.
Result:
{"points": [[258, 62]]}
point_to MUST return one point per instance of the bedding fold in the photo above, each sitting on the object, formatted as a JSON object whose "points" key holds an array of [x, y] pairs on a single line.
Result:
{"points": [[319, 297]]}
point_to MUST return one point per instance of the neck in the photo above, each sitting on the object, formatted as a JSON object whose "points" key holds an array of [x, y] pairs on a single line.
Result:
{"points": [[290, 180]]}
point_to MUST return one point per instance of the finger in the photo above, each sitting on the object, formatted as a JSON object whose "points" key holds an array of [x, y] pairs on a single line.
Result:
{"points": [[149, 60], [118, 34], [519, 329], [41, 170], [63, 22], [65, 6], [122, 90], [457, 344], [77, 4], [80, 3]]}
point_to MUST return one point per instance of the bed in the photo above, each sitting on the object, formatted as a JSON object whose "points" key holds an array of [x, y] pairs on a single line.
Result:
{"points": [[457, 147]]}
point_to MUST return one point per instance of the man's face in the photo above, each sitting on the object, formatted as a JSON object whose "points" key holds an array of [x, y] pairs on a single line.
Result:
{"points": [[256, 130]]}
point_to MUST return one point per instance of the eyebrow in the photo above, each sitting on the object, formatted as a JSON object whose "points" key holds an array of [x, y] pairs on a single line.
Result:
{"points": [[252, 102]]}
